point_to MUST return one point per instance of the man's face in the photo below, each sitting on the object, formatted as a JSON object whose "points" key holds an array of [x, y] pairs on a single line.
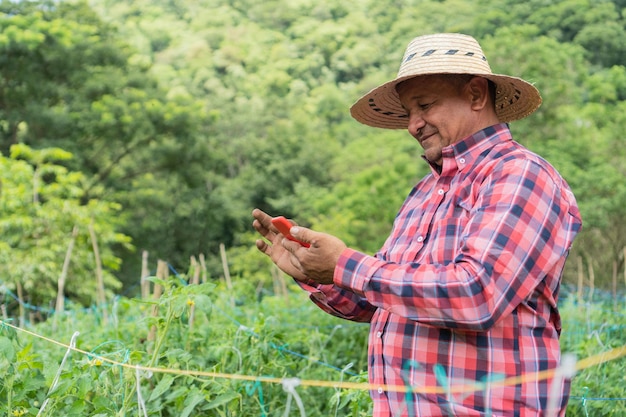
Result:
{"points": [[440, 112]]}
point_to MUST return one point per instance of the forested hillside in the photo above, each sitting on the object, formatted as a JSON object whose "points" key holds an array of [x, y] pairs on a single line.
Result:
{"points": [[149, 130], [158, 125]]}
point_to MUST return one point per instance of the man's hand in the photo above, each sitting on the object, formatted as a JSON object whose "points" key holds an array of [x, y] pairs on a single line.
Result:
{"points": [[272, 244], [315, 263]]}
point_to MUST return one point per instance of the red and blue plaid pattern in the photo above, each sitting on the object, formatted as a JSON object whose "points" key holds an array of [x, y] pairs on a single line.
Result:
{"points": [[465, 288]]}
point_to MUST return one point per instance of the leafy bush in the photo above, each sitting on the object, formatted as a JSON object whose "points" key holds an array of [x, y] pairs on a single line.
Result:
{"points": [[230, 358], [277, 338]]}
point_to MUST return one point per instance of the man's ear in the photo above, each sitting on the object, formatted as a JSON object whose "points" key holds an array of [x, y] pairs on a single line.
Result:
{"points": [[478, 90]]}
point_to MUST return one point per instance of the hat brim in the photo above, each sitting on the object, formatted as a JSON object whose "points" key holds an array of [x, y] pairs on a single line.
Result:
{"points": [[515, 99]]}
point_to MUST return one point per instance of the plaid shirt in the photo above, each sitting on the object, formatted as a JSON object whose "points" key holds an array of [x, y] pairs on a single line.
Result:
{"points": [[465, 288]]}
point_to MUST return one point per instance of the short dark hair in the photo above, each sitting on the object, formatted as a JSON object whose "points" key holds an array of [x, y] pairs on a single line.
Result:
{"points": [[460, 80]]}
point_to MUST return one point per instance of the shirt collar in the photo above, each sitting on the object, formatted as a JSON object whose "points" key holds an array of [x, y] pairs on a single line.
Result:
{"points": [[463, 153]]}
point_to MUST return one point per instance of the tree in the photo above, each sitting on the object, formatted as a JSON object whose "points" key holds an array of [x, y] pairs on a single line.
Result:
{"points": [[190, 114], [70, 81], [40, 205]]}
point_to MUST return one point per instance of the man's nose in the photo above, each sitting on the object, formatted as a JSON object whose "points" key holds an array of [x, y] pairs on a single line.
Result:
{"points": [[416, 123]]}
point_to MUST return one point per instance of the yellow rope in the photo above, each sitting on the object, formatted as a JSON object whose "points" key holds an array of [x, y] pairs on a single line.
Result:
{"points": [[456, 389]]}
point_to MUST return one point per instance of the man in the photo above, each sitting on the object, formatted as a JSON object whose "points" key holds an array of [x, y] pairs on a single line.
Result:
{"points": [[464, 291]]}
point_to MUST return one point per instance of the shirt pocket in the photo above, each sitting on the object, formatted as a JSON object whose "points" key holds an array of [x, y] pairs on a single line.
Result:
{"points": [[447, 235]]}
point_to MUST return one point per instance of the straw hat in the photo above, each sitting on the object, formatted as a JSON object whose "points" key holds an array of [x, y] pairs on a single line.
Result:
{"points": [[445, 53]]}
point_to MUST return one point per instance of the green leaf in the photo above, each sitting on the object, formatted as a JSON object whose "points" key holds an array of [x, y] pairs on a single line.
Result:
{"points": [[193, 399], [104, 403], [62, 387], [222, 399], [7, 349], [77, 408], [164, 384]]}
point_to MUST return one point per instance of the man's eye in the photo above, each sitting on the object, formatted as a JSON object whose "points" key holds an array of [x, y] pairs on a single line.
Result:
{"points": [[424, 106]]}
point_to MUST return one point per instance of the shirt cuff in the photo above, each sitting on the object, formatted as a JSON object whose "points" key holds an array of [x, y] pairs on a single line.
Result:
{"points": [[313, 288], [354, 271]]}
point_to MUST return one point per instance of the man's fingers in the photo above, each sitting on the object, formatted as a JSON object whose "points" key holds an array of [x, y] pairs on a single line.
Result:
{"points": [[290, 245], [263, 218], [263, 230], [258, 226], [302, 234], [294, 259], [262, 245]]}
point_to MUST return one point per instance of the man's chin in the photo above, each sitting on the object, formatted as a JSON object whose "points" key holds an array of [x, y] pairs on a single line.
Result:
{"points": [[433, 158]]}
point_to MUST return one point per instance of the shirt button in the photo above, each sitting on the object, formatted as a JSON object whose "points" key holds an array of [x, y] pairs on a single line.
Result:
{"points": [[380, 390], [420, 238], [379, 334], [461, 160], [440, 191]]}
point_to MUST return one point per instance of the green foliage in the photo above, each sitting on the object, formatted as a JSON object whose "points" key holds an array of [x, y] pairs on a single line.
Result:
{"points": [[191, 113], [167, 121], [266, 340], [279, 80], [69, 80], [376, 172], [40, 205], [589, 330], [196, 366]]}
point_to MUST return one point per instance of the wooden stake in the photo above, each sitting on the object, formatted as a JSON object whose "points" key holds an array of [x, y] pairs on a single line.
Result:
{"points": [[614, 286], [36, 186], [145, 272], [194, 281], [624, 265], [20, 297], [5, 316], [581, 280], [101, 296], [229, 284], [280, 286], [204, 271], [592, 280], [162, 273], [60, 305]]}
